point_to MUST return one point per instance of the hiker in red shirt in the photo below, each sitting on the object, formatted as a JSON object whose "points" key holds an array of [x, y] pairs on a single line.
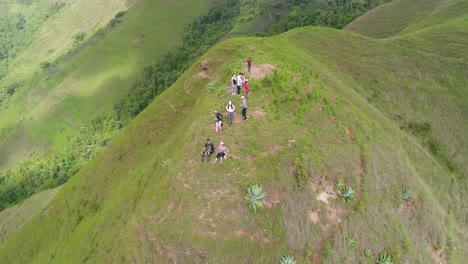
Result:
{"points": [[249, 64], [246, 89]]}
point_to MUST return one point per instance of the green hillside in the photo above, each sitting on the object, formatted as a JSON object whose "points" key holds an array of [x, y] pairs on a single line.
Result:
{"points": [[421, 108], [14, 217], [76, 85], [45, 34], [80, 100], [60, 115], [379, 116], [400, 17]]}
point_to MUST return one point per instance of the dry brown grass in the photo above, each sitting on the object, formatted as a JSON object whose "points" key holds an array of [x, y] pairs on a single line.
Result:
{"points": [[295, 210], [151, 249]]}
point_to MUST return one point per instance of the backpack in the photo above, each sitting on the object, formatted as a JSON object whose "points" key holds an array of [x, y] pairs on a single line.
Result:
{"points": [[219, 116]]}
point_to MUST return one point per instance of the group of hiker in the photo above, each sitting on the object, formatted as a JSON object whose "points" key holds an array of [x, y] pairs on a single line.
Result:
{"points": [[208, 149], [237, 82]]}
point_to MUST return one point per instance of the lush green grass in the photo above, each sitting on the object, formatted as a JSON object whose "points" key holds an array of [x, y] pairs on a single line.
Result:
{"points": [[418, 94], [148, 198], [13, 218], [340, 107], [395, 17], [54, 169], [85, 84], [50, 41]]}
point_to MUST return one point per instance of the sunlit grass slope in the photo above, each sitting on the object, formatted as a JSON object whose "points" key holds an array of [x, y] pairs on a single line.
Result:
{"points": [[89, 81], [149, 199], [427, 96], [403, 16], [53, 39], [14, 217]]}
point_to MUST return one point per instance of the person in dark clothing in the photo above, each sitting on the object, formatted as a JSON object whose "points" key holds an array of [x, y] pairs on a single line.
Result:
{"points": [[207, 150], [218, 122], [244, 108]]}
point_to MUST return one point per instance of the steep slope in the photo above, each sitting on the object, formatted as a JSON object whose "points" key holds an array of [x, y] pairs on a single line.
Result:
{"points": [[50, 27], [149, 199], [51, 103], [427, 54], [403, 16], [14, 217]]}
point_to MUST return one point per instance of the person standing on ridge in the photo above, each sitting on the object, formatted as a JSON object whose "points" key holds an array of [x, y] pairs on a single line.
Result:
{"points": [[230, 109], [246, 89], [218, 121], [239, 83], [244, 108], [249, 64], [233, 84]]}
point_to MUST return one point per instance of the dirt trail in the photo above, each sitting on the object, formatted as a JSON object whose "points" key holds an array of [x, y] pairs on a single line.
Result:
{"points": [[258, 72]]}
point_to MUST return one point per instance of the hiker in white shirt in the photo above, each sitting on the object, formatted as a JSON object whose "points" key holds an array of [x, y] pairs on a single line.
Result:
{"points": [[240, 82], [230, 108]]}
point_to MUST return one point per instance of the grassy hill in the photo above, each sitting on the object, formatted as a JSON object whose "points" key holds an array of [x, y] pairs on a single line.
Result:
{"points": [[400, 17], [422, 108], [14, 217], [82, 83], [339, 107], [64, 126]]}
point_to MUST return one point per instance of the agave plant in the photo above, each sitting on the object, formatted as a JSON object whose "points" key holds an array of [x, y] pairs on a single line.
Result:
{"points": [[287, 259], [347, 193], [384, 258], [407, 194], [254, 197]]}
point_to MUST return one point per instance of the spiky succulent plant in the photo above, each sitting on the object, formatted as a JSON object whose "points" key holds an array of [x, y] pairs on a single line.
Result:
{"points": [[407, 194], [287, 259], [384, 258], [255, 197], [347, 193]]}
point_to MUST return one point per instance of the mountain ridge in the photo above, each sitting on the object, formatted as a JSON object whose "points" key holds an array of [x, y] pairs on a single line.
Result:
{"points": [[324, 116]]}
